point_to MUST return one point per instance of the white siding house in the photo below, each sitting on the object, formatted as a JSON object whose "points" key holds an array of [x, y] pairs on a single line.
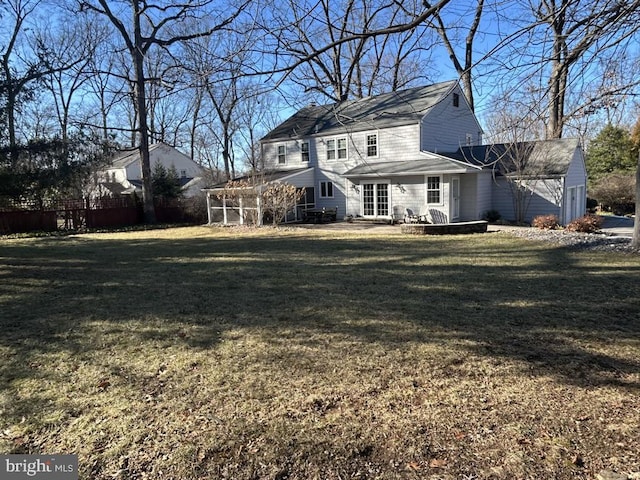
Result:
{"points": [[419, 149], [124, 175]]}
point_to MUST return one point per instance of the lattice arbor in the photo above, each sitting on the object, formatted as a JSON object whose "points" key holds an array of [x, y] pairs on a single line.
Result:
{"points": [[240, 202]]}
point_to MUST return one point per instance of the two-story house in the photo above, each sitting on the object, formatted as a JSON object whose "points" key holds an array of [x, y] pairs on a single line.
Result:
{"points": [[420, 148]]}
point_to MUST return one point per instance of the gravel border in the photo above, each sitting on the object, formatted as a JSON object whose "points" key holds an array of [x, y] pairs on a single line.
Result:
{"points": [[576, 241]]}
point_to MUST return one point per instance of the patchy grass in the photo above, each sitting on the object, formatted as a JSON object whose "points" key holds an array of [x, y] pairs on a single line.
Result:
{"points": [[250, 354]]}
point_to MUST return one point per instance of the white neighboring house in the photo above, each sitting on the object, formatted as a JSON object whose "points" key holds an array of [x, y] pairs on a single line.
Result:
{"points": [[124, 176]]}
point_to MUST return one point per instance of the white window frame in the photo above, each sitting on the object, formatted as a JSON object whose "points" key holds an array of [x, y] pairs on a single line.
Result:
{"points": [[307, 152], [439, 190], [376, 144], [335, 149], [328, 185], [282, 155], [376, 183]]}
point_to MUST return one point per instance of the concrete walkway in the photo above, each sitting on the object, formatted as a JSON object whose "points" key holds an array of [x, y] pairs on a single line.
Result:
{"points": [[619, 226]]}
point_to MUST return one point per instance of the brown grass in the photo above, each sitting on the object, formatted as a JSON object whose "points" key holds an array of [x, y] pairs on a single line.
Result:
{"points": [[274, 354]]}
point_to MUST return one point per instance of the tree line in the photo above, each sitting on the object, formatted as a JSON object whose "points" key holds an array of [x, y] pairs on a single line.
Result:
{"points": [[213, 76]]}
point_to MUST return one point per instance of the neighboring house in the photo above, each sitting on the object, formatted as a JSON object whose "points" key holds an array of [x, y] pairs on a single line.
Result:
{"points": [[124, 176], [420, 148]]}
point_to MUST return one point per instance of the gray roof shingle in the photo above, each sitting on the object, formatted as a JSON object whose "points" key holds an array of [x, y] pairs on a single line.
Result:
{"points": [[546, 157], [389, 109]]}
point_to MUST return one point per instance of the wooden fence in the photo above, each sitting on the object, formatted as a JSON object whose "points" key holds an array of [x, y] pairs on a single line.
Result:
{"points": [[85, 214]]}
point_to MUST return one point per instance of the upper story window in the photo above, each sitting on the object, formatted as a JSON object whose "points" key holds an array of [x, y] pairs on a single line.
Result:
{"points": [[183, 173], [433, 190], [304, 148], [282, 155], [469, 139], [337, 148], [372, 145], [456, 100]]}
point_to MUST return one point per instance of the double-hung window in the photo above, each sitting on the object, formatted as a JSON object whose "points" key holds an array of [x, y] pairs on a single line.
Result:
{"points": [[372, 145], [337, 148], [433, 190], [326, 190], [282, 155], [304, 148]]}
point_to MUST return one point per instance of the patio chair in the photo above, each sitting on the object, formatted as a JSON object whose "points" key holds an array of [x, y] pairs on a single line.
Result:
{"points": [[410, 216], [398, 213], [437, 216], [424, 216]]}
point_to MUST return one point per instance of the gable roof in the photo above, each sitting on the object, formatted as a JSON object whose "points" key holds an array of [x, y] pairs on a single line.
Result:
{"points": [[545, 157], [125, 158], [402, 107]]}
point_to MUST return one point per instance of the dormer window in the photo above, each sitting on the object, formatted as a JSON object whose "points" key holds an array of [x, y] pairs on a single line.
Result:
{"points": [[456, 100]]}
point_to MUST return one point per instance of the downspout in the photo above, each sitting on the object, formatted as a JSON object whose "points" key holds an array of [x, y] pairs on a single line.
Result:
{"points": [[347, 195], [209, 207]]}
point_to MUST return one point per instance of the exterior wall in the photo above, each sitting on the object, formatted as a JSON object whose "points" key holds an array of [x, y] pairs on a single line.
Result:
{"points": [[168, 157], [445, 127], [410, 192], [293, 154], [404, 192], [472, 197], [575, 189], [483, 194], [545, 201], [394, 144]]}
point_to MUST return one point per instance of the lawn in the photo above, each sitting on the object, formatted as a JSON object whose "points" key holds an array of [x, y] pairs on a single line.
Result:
{"points": [[296, 354]]}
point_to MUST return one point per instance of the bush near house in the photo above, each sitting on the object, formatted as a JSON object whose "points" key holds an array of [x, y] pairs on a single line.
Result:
{"points": [[546, 222], [587, 224], [491, 216], [616, 192]]}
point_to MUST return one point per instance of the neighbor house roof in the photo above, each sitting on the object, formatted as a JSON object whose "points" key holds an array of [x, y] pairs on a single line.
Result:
{"points": [[125, 158], [428, 163], [545, 157], [183, 181], [387, 110]]}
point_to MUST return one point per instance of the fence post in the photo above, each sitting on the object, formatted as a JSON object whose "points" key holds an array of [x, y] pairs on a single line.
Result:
{"points": [[224, 209]]}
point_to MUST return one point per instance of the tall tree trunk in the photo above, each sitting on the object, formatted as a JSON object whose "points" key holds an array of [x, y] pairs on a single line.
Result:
{"points": [[635, 241], [143, 130], [557, 88]]}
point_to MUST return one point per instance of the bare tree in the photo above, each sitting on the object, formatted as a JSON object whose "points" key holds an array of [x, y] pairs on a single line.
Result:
{"points": [[563, 44], [25, 60], [73, 43], [464, 67], [325, 45], [154, 25]]}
